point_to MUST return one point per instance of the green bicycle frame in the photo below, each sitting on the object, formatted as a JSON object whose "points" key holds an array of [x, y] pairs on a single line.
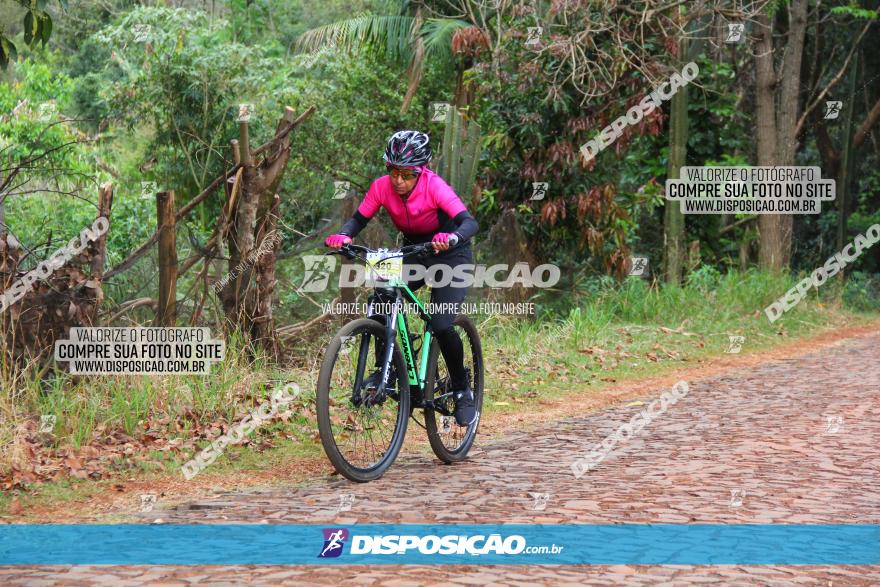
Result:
{"points": [[415, 374]]}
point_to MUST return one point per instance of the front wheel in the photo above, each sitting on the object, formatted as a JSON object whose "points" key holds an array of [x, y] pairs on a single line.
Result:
{"points": [[361, 429], [450, 441]]}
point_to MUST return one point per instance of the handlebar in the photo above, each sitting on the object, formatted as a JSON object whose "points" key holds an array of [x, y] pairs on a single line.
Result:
{"points": [[352, 251]]}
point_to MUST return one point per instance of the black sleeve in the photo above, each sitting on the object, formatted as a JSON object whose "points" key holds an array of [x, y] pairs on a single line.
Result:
{"points": [[354, 225], [467, 225]]}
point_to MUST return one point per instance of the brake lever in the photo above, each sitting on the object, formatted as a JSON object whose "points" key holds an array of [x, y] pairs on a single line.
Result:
{"points": [[349, 254]]}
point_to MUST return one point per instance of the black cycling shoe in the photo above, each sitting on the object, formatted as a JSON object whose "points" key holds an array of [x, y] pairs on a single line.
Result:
{"points": [[465, 411]]}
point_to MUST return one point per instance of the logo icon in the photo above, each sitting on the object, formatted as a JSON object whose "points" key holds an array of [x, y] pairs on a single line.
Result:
{"points": [[244, 112], [148, 189], [346, 500], [541, 500], [589, 462], [439, 111], [736, 343], [832, 109], [346, 343], [833, 424], [734, 32], [736, 497], [47, 423], [539, 190], [334, 540], [340, 189], [141, 32], [147, 502], [534, 36], [46, 111], [639, 265], [317, 275]]}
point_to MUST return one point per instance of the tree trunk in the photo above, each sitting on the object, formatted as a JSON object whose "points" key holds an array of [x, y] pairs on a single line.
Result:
{"points": [[417, 66], [673, 235], [673, 222], [166, 312], [846, 169], [744, 254], [770, 243], [256, 206], [50, 307], [263, 323], [105, 204], [776, 229], [241, 241], [788, 108]]}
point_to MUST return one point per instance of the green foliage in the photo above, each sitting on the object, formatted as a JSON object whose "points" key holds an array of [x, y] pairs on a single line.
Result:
{"points": [[862, 292], [39, 95], [345, 138], [705, 278], [46, 153], [184, 78], [388, 34], [437, 34], [460, 153], [854, 10], [533, 127], [37, 28], [718, 128], [774, 6]]}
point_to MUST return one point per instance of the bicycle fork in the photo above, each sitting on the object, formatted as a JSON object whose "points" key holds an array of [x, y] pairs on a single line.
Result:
{"points": [[390, 340]]}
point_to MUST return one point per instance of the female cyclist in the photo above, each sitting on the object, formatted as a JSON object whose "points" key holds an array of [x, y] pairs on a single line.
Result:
{"points": [[425, 209]]}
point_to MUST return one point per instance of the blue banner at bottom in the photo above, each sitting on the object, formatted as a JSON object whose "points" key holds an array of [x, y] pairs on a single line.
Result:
{"points": [[491, 544]]}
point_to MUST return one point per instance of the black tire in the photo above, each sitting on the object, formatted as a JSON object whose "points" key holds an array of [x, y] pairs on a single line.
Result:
{"points": [[451, 443], [362, 331]]}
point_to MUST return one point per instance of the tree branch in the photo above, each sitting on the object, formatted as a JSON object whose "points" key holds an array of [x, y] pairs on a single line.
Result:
{"points": [[836, 79], [865, 128]]}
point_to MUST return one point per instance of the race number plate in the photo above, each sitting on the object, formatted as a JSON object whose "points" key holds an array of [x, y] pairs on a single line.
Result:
{"points": [[389, 270]]}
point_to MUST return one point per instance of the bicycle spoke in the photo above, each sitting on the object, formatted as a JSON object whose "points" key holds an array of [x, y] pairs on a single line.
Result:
{"points": [[451, 434], [362, 433]]}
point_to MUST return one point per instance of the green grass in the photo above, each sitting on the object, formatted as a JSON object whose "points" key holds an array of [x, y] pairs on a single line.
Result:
{"points": [[608, 333], [83, 407]]}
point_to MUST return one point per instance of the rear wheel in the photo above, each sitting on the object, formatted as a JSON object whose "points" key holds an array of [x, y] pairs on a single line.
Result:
{"points": [[450, 441], [361, 430]]}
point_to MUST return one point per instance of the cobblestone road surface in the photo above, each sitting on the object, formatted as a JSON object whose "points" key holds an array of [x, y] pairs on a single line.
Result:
{"points": [[790, 442]]}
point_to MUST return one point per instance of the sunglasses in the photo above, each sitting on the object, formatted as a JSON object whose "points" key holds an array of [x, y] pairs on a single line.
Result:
{"points": [[404, 174]]}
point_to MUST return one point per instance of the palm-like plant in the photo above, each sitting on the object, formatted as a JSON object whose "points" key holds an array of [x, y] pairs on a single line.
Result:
{"points": [[407, 37]]}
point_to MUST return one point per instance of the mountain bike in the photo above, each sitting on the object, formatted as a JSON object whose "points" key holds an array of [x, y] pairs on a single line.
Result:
{"points": [[363, 422]]}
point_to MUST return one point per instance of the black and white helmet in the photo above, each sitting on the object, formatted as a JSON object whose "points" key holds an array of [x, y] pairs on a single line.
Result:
{"points": [[408, 148]]}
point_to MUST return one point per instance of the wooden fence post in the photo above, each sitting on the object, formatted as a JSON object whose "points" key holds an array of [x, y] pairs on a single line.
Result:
{"points": [[105, 204], [166, 313]]}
